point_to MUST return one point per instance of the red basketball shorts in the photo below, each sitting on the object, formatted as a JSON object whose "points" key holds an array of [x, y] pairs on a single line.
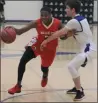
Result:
{"points": [[47, 56]]}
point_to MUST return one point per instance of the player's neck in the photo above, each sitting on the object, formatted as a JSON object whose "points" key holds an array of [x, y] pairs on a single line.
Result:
{"points": [[48, 22], [74, 15]]}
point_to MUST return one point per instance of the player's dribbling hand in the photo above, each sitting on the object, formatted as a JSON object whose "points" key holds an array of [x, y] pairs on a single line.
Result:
{"points": [[11, 27], [43, 45], [16, 30]]}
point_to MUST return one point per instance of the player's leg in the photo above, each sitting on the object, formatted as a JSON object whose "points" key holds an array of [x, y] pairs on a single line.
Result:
{"points": [[27, 56], [73, 67], [45, 71], [47, 59]]}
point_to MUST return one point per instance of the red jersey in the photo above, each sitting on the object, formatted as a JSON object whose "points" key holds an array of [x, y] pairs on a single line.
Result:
{"points": [[45, 31]]}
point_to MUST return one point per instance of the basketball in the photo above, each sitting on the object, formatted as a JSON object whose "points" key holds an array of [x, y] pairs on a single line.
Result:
{"points": [[8, 35]]}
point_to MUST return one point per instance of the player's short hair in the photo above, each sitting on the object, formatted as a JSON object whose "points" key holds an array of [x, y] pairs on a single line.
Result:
{"points": [[76, 4], [46, 9]]}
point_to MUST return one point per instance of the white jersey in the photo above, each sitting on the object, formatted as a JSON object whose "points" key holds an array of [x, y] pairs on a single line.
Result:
{"points": [[83, 35]]}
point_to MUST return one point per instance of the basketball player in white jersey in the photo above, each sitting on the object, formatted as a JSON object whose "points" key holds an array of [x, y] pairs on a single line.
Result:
{"points": [[83, 36]]}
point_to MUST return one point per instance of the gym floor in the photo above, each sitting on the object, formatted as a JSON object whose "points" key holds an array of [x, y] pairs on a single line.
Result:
{"points": [[59, 78]]}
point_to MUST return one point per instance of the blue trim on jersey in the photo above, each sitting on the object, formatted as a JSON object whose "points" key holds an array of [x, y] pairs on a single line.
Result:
{"points": [[87, 47], [79, 18]]}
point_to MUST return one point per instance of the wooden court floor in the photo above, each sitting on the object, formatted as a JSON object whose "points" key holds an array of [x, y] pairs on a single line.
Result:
{"points": [[59, 78]]}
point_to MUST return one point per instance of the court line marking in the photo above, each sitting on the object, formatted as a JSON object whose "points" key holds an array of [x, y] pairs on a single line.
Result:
{"points": [[39, 91], [50, 89], [13, 55], [4, 55]]}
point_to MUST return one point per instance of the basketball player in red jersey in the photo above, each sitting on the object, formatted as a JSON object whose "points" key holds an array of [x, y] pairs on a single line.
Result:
{"points": [[45, 27]]}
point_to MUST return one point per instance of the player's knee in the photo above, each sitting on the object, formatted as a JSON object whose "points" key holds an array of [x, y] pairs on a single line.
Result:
{"points": [[44, 69], [22, 61], [79, 59], [75, 76], [74, 73], [70, 68]]}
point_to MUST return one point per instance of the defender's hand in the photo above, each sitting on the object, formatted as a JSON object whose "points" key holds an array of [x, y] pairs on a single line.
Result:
{"points": [[43, 45]]}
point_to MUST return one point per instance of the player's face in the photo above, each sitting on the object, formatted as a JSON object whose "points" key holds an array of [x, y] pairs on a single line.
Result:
{"points": [[69, 11], [45, 16]]}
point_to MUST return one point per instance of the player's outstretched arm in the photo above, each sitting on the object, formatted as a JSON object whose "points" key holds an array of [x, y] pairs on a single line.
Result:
{"points": [[69, 33], [57, 34], [25, 28]]}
